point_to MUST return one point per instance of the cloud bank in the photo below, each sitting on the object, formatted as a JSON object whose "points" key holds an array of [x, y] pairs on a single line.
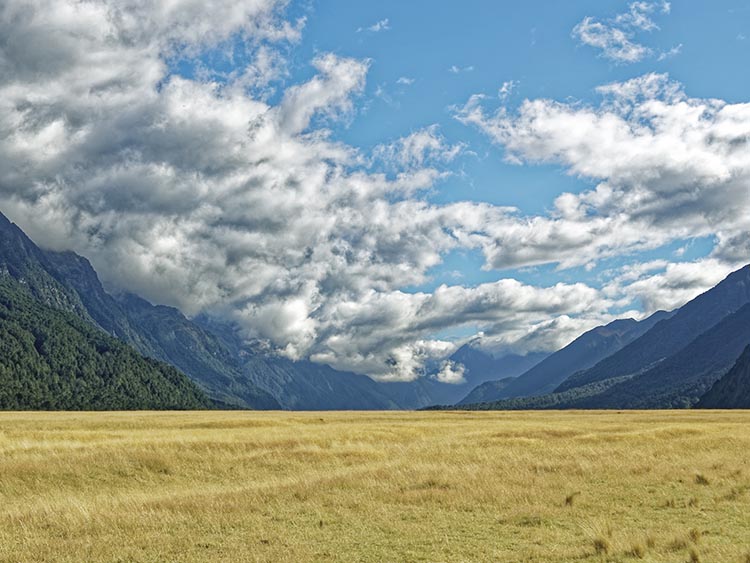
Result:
{"points": [[198, 192]]}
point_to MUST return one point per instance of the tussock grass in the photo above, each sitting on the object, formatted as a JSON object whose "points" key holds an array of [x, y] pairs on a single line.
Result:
{"points": [[374, 487]]}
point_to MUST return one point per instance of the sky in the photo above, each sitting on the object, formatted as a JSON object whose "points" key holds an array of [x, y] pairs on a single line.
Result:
{"points": [[372, 185]]}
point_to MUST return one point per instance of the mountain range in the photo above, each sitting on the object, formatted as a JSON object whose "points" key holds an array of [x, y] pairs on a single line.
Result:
{"points": [[68, 343], [672, 364], [229, 371], [584, 352]]}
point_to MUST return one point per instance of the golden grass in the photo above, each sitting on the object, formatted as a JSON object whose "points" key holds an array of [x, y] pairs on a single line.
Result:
{"points": [[375, 487]]}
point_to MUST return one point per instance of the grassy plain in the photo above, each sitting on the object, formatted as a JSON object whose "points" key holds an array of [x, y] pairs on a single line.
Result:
{"points": [[375, 487]]}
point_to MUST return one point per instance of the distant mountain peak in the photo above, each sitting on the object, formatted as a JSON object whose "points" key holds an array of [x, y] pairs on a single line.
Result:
{"points": [[580, 354]]}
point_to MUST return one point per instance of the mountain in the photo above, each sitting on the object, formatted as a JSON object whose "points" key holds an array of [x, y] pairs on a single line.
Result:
{"points": [[584, 352], [304, 385], [308, 386], [479, 368], [212, 354], [22, 260], [76, 273], [733, 390], [203, 356], [488, 391], [681, 379], [68, 282], [223, 365], [668, 336], [668, 360], [52, 359], [677, 378], [301, 385]]}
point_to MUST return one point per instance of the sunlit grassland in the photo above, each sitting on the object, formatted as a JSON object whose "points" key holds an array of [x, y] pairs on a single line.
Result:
{"points": [[375, 487]]}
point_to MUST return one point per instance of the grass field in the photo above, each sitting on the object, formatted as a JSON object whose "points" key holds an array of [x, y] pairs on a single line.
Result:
{"points": [[375, 487]]}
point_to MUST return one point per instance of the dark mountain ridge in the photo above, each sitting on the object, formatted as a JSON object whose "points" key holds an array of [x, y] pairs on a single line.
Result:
{"points": [[228, 369], [666, 360], [683, 378], [663, 379], [52, 359], [733, 390], [670, 335], [584, 352], [67, 282]]}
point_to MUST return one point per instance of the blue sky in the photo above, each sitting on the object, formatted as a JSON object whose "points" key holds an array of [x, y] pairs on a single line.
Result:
{"points": [[529, 44], [370, 185]]}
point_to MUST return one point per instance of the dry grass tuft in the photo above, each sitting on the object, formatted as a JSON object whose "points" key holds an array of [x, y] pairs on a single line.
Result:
{"points": [[601, 545], [701, 479], [678, 544], [637, 550]]}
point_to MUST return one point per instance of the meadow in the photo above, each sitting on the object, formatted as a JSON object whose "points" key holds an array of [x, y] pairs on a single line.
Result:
{"points": [[375, 487]]}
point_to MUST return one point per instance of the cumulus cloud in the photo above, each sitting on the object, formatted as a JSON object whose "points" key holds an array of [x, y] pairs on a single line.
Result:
{"points": [[399, 321], [666, 167], [203, 194], [451, 372], [615, 38], [659, 285], [330, 91], [419, 148], [198, 193]]}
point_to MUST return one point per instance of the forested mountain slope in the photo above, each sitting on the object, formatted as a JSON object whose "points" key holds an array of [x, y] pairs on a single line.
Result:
{"points": [[52, 359]]}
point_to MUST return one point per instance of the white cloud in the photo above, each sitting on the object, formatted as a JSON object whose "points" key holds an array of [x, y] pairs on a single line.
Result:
{"points": [[405, 81], [423, 147], [673, 52], [358, 330], [382, 25], [200, 194], [205, 195], [615, 44], [456, 69], [639, 13], [330, 91], [666, 286], [615, 37], [547, 335], [451, 372], [667, 167], [507, 88]]}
